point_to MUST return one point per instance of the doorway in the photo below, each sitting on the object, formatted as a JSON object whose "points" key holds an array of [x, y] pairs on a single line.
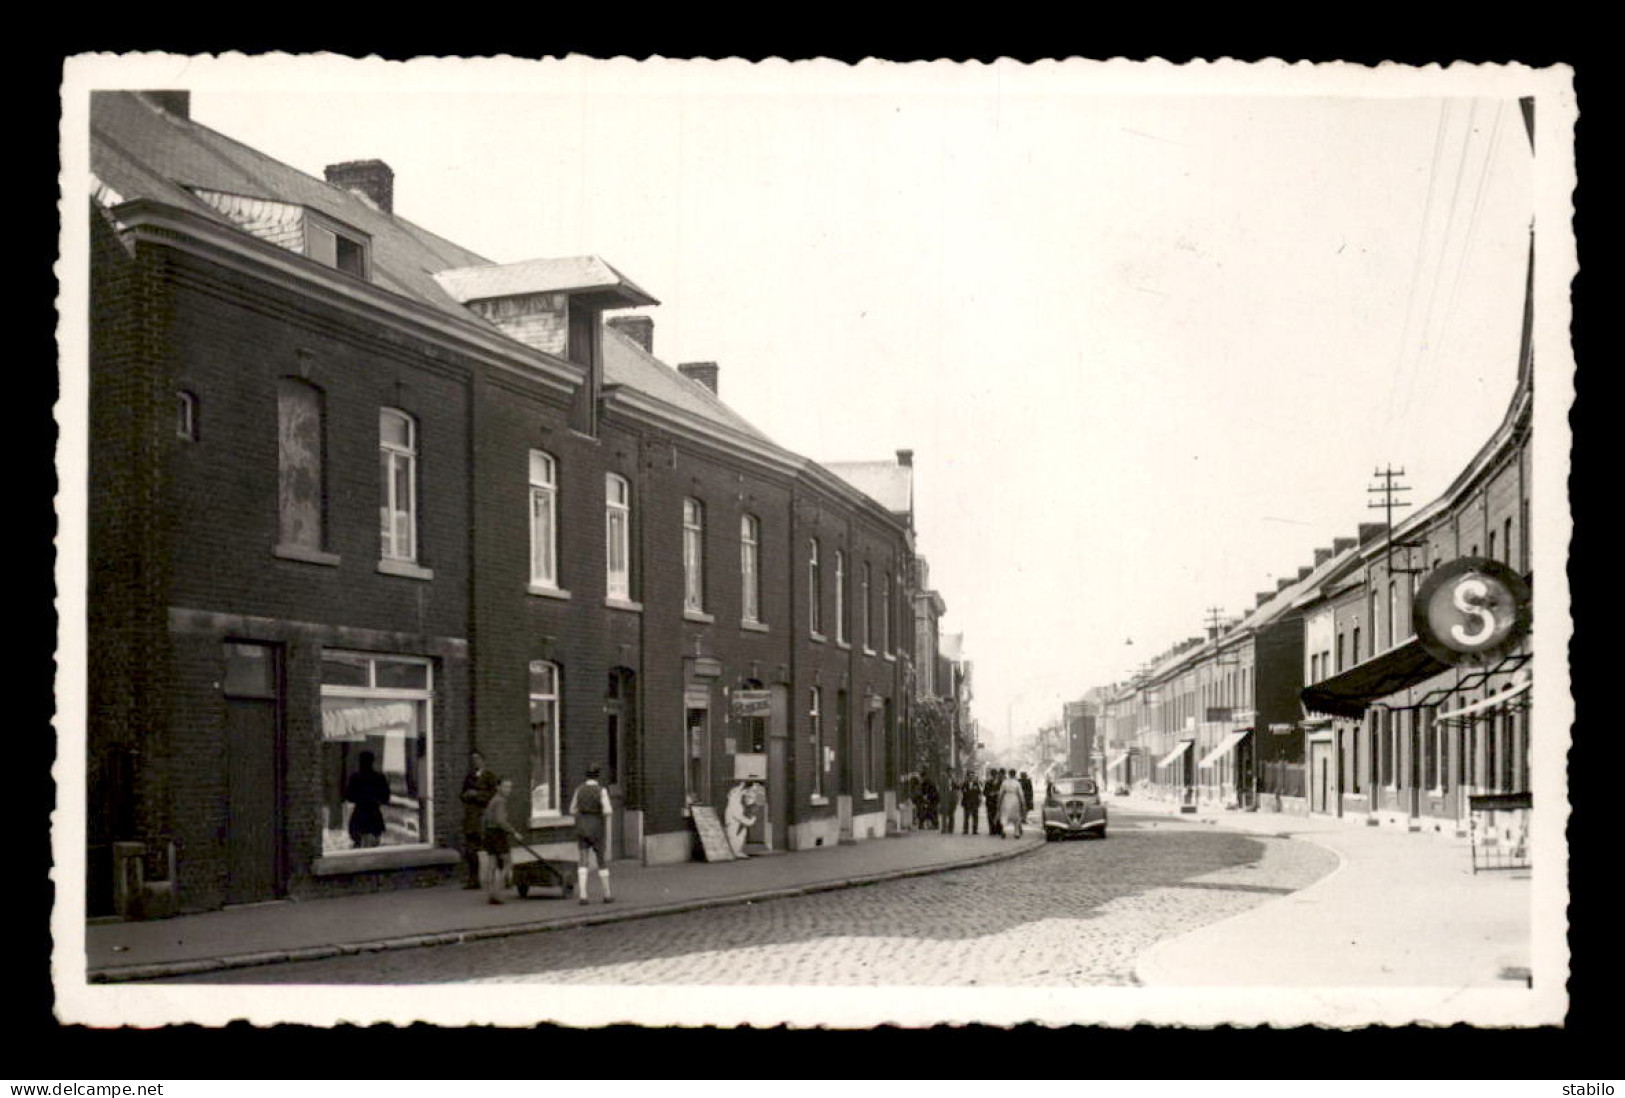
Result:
{"points": [[778, 770], [620, 734], [254, 773], [1320, 775]]}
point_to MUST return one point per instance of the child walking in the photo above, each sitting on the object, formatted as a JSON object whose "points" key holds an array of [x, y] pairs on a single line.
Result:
{"points": [[591, 807], [494, 838]]}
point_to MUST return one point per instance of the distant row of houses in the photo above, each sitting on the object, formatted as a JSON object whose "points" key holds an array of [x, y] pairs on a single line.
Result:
{"points": [[1342, 691], [356, 491]]}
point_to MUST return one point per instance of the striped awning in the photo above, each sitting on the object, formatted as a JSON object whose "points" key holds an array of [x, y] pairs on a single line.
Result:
{"points": [[1172, 756], [1226, 745]]}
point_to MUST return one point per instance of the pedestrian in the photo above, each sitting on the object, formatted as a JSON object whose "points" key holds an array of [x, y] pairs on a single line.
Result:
{"points": [[592, 809], [368, 790], [952, 803], [479, 786], [928, 802], [990, 797], [971, 796], [495, 831], [1011, 806], [1027, 790]]}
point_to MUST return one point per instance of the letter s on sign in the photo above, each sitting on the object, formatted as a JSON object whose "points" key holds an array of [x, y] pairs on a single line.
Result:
{"points": [[1476, 588]]}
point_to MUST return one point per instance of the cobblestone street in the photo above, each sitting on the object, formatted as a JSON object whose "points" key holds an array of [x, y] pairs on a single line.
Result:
{"points": [[1070, 914]]}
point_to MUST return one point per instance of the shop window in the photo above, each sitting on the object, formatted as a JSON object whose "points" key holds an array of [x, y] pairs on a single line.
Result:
{"points": [[750, 568], [376, 762], [543, 678], [618, 536], [544, 522], [398, 471], [301, 466]]}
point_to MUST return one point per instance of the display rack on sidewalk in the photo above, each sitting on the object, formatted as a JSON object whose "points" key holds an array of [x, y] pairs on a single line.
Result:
{"points": [[1493, 847]]}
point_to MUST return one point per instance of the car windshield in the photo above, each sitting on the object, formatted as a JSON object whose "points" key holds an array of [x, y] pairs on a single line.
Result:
{"points": [[1072, 787]]}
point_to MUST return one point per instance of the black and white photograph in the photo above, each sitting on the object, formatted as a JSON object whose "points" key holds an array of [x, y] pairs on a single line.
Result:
{"points": [[686, 542]]}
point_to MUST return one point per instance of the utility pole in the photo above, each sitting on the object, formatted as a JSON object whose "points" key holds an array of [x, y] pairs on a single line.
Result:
{"points": [[1388, 489]]}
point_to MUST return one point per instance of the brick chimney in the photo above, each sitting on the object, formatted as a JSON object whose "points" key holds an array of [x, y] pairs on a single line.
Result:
{"points": [[905, 457], [371, 179], [177, 103], [1342, 545], [640, 329], [1370, 530], [1304, 572], [703, 372], [1322, 556], [1286, 581], [1263, 597]]}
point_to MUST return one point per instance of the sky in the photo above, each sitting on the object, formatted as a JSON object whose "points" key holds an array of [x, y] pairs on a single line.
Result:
{"points": [[1148, 339]]}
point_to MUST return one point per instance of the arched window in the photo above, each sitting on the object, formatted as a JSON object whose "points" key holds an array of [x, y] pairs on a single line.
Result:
{"points": [[398, 470], [186, 416], [815, 588], [693, 555], [544, 740], [840, 596], [750, 568], [1393, 611], [544, 529], [866, 608], [618, 536], [885, 613], [301, 468]]}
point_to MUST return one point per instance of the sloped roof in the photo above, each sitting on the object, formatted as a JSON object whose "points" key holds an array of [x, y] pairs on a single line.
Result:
{"points": [[889, 483], [627, 363], [141, 151]]}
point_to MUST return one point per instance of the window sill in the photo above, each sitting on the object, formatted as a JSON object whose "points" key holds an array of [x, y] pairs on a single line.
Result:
{"points": [[844, 646], [868, 796], [699, 615], [815, 799], [817, 637], [542, 591], [867, 651], [335, 865], [308, 556], [405, 569], [891, 658], [623, 604], [753, 626]]}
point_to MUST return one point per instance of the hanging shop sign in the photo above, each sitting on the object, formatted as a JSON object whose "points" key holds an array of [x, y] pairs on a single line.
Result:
{"points": [[1282, 729], [751, 703], [1472, 611]]}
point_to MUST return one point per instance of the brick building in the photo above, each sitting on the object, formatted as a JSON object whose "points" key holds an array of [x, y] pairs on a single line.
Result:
{"points": [[358, 491]]}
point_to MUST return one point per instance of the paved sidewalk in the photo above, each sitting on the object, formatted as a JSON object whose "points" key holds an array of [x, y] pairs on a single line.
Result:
{"points": [[314, 929], [1403, 909]]}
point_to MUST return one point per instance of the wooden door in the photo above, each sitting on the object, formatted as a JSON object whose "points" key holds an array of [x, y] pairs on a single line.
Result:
{"points": [[253, 836]]}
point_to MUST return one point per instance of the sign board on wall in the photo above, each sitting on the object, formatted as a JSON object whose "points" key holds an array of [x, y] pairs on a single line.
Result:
{"points": [[1281, 729], [712, 840], [751, 703], [750, 766]]}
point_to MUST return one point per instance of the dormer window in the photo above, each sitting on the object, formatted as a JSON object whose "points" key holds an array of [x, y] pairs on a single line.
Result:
{"points": [[329, 245]]}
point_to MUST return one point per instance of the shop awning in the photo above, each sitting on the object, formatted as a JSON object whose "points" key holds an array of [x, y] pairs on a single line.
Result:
{"points": [[1351, 693], [1168, 760], [1488, 703], [1226, 745]]}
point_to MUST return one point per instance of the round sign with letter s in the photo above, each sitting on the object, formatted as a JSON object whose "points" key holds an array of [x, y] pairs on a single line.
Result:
{"points": [[1471, 611]]}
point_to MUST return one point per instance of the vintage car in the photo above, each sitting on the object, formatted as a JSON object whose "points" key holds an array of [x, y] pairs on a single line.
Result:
{"points": [[1072, 806]]}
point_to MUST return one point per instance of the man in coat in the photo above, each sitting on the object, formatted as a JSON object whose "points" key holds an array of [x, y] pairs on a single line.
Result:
{"points": [[479, 786], [990, 797], [1027, 791], [972, 795]]}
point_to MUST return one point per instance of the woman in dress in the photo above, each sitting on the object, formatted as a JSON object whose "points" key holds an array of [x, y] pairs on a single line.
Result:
{"points": [[1012, 805]]}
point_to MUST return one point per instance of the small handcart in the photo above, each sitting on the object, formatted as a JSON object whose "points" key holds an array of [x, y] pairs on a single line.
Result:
{"points": [[542, 873]]}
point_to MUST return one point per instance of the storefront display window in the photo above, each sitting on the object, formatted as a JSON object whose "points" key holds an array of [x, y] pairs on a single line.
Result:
{"points": [[544, 741], [375, 751]]}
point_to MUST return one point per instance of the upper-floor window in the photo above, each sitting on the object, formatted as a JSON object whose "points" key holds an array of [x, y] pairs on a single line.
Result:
{"points": [[544, 515], [1393, 611], [840, 596], [693, 555], [885, 613], [186, 416], [618, 535], [750, 568], [865, 608], [1492, 555], [1354, 644], [815, 588], [1340, 663], [398, 470], [332, 246], [301, 473]]}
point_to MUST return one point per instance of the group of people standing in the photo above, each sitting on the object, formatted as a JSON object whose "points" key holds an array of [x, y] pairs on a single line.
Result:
{"points": [[487, 830], [1007, 795]]}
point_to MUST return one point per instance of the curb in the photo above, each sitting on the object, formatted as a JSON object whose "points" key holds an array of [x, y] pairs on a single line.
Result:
{"points": [[163, 969]]}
